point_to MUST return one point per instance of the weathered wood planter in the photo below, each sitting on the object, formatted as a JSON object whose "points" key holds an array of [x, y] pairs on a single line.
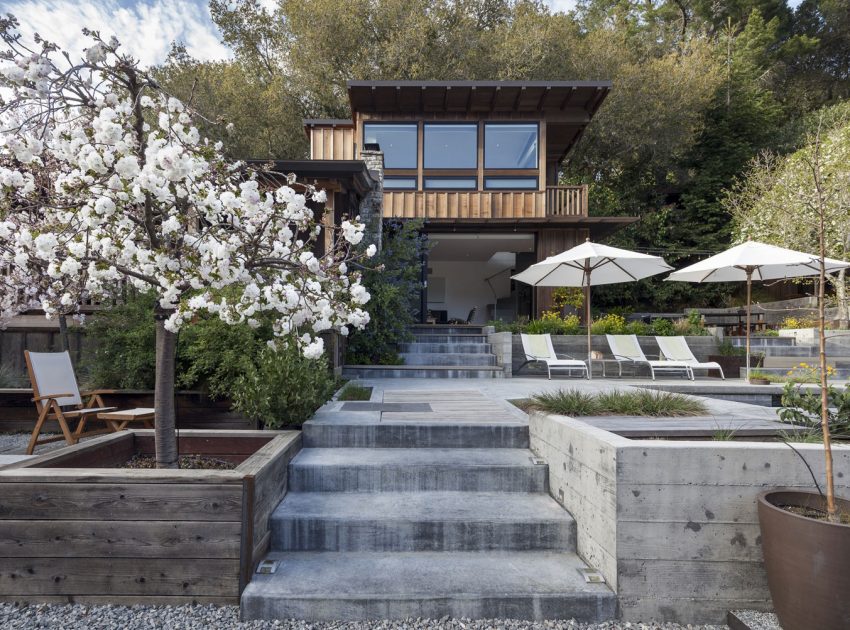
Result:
{"points": [[75, 528], [195, 410]]}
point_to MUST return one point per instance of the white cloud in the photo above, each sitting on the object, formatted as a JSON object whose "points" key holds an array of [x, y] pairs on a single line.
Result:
{"points": [[145, 28], [557, 6]]}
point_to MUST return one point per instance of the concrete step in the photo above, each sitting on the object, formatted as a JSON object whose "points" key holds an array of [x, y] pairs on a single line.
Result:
{"points": [[421, 521], [471, 348], [366, 431], [790, 362], [446, 358], [416, 469], [458, 338], [788, 351], [447, 329], [325, 586], [839, 373], [421, 371]]}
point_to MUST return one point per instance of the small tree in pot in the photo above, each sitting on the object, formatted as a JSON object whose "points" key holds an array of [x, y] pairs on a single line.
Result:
{"points": [[104, 179], [806, 535]]}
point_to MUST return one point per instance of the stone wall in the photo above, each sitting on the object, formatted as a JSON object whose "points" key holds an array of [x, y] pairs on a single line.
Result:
{"points": [[576, 346], [673, 525], [372, 205]]}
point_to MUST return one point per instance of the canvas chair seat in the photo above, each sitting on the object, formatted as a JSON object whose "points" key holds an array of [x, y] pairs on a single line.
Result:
{"points": [[677, 349], [57, 398], [627, 350], [539, 348]]}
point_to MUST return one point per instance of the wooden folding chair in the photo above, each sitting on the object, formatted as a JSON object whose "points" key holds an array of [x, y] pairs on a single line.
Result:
{"points": [[57, 397]]}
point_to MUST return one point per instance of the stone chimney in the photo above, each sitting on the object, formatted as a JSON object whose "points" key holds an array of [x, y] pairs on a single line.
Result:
{"points": [[372, 205]]}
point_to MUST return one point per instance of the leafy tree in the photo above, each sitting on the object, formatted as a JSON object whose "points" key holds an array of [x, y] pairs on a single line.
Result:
{"points": [[254, 116], [781, 199]]}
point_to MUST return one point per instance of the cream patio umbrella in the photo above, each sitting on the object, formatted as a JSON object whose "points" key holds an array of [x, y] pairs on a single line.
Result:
{"points": [[755, 261], [592, 264]]}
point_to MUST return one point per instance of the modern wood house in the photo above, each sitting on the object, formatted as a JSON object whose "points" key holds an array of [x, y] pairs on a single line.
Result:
{"points": [[479, 161]]}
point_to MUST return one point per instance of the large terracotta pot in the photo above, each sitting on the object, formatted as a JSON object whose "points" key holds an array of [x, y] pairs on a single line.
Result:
{"points": [[807, 562]]}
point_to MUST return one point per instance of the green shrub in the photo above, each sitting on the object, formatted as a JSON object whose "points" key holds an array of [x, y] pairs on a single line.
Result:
{"points": [[611, 324], [121, 352], [693, 324], [663, 327], [394, 284], [285, 388], [554, 324], [638, 327], [631, 402]]}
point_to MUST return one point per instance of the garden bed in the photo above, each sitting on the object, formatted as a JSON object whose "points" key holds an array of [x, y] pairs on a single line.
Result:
{"points": [[76, 528], [673, 524]]}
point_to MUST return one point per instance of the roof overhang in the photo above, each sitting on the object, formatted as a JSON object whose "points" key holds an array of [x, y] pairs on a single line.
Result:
{"points": [[567, 106], [309, 123], [350, 174]]}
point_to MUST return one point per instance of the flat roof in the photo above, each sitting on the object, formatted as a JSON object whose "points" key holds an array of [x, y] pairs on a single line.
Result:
{"points": [[328, 122]]}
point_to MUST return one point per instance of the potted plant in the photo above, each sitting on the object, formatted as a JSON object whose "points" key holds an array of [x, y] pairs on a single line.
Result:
{"points": [[806, 535], [759, 378]]}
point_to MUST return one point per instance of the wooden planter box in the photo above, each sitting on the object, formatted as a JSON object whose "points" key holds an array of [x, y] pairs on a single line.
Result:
{"points": [[75, 529], [195, 410], [732, 365]]}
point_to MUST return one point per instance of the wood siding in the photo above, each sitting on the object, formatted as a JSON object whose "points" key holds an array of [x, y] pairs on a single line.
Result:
{"points": [[333, 143], [485, 204], [550, 242], [145, 536]]}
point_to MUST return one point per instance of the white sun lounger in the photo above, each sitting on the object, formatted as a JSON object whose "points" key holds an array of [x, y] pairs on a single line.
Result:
{"points": [[539, 348], [677, 349], [626, 349]]}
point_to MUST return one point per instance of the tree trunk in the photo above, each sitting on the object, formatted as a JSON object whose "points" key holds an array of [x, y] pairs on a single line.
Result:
{"points": [[166, 417], [63, 333]]}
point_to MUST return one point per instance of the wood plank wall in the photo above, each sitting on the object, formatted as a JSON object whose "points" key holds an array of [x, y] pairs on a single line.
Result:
{"points": [[464, 204], [554, 241], [332, 143]]}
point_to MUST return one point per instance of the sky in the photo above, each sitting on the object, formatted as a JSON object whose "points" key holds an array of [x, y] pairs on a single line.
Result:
{"points": [[145, 28]]}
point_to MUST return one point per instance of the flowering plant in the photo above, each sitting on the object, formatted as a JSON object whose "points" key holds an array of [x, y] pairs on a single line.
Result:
{"points": [[104, 179]]}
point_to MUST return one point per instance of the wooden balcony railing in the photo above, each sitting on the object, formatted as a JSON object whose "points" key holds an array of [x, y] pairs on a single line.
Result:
{"points": [[486, 204], [566, 201]]}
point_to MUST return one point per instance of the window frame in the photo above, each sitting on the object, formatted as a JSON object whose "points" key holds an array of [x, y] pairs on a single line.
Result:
{"points": [[396, 123], [495, 123], [534, 179], [396, 177], [472, 178], [449, 123]]}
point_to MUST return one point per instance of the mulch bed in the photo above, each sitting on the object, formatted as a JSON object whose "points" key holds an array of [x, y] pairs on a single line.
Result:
{"points": [[189, 462]]}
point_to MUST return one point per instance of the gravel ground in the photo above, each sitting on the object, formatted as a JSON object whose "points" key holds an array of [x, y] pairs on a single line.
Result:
{"points": [[758, 620], [16, 443], [79, 617]]}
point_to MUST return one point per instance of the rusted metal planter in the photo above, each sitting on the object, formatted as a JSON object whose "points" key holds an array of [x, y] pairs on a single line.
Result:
{"points": [[807, 562]]}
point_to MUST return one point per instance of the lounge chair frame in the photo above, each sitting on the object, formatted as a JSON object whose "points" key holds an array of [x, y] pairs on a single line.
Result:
{"points": [[683, 353], [552, 361], [636, 359]]}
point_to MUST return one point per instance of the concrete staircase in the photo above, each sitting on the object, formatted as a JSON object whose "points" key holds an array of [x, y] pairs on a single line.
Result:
{"points": [[453, 520], [440, 351]]}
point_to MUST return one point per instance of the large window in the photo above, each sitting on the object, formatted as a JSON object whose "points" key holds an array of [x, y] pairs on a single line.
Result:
{"points": [[510, 183], [510, 145], [448, 145], [397, 141]]}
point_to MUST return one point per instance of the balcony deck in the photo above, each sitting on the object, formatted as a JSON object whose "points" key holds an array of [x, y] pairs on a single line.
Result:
{"points": [[555, 201]]}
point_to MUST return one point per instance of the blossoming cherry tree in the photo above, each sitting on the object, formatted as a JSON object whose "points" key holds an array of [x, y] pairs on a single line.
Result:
{"points": [[105, 180]]}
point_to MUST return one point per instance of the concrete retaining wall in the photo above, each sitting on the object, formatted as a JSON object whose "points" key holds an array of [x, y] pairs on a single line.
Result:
{"points": [[672, 525], [576, 346], [501, 345]]}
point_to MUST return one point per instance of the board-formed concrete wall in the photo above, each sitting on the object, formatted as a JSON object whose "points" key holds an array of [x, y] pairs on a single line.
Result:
{"points": [[673, 525], [576, 346]]}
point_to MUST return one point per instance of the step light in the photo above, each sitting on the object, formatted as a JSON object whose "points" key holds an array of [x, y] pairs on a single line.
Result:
{"points": [[267, 567], [592, 576]]}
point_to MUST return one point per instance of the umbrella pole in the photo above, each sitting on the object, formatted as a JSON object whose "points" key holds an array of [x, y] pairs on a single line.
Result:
{"points": [[587, 322], [749, 302]]}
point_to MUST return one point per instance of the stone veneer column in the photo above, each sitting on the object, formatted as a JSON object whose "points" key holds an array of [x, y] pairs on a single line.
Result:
{"points": [[372, 205]]}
